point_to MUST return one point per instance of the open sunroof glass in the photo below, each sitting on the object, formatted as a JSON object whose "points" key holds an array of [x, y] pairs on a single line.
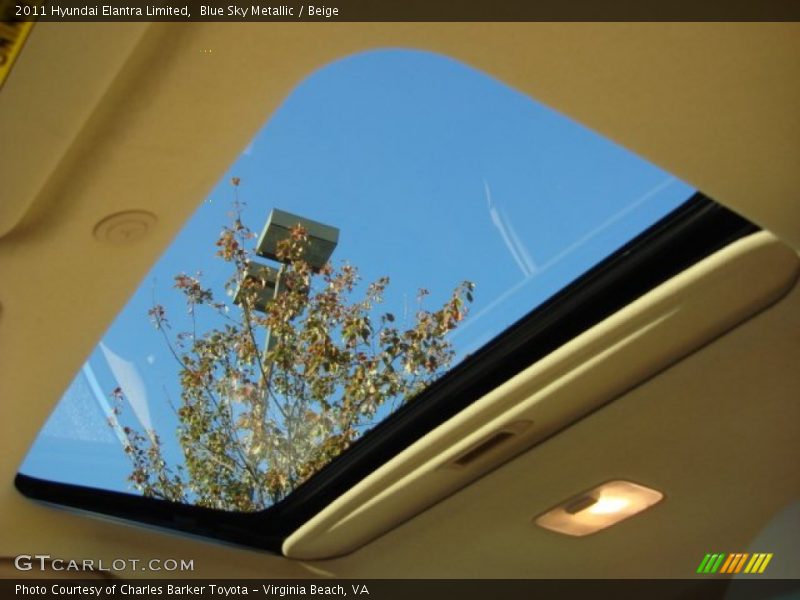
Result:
{"points": [[412, 210]]}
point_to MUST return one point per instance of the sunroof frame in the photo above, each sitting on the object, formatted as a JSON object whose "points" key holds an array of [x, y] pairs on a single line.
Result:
{"points": [[695, 230]]}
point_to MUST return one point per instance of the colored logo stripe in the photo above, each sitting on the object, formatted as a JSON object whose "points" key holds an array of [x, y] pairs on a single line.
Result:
{"points": [[758, 563], [728, 562], [732, 563], [703, 563], [710, 563]]}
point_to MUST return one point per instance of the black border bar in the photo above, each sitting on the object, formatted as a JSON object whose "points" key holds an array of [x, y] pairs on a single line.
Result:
{"points": [[420, 589], [406, 10]]}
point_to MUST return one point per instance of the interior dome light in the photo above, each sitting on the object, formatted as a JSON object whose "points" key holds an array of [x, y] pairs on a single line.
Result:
{"points": [[599, 508]]}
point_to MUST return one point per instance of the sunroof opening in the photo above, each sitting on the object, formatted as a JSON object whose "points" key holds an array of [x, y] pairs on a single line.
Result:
{"points": [[451, 206]]}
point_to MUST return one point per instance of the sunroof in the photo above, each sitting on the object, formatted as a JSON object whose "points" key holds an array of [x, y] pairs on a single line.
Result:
{"points": [[441, 183]]}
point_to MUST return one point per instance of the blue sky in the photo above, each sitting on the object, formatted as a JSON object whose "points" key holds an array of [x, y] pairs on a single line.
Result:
{"points": [[434, 173]]}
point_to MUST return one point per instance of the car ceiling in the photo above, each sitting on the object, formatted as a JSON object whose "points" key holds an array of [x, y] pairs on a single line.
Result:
{"points": [[101, 118]]}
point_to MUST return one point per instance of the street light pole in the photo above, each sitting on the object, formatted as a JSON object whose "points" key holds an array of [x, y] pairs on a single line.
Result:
{"points": [[322, 242]]}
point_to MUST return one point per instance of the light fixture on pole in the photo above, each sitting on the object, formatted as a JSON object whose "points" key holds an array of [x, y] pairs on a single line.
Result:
{"points": [[322, 240], [265, 281]]}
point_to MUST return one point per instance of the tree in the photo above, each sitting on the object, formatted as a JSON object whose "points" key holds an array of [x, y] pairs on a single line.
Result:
{"points": [[255, 422]]}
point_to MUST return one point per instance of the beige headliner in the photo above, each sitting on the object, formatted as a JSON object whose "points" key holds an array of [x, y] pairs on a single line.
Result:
{"points": [[105, 118], [648, 335]]}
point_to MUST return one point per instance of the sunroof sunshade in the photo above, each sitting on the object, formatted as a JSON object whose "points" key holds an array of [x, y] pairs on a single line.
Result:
{"points": [[442, 183]]}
